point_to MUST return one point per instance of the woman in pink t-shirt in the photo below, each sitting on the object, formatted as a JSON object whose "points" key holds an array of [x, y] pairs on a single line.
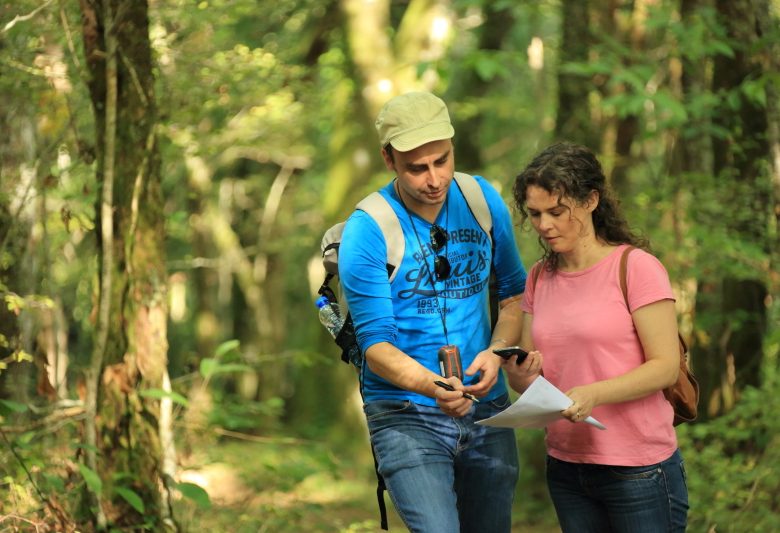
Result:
{"points": [[613, 362]]}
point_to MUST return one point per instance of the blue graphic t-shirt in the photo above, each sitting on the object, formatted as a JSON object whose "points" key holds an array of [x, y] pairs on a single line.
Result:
{"points": [[409, 312]]}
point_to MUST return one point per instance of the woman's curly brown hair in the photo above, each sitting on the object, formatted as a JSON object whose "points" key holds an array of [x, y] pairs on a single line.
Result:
{"points": [[572, 171]]}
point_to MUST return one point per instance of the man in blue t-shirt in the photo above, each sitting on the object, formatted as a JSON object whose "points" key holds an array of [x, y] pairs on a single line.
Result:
{"points": [[444, 472]]}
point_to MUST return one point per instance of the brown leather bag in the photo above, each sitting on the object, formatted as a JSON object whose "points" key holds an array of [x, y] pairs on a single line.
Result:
{"points": [[683, 395]]}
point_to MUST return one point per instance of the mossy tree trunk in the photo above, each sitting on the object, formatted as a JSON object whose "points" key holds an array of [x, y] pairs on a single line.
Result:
{"points": [[130, 348]]}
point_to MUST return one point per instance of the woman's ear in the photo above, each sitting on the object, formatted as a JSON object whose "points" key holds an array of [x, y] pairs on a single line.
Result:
{"points": [[593, 201]]}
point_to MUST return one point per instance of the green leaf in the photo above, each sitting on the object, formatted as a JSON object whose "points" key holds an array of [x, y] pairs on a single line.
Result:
{"points": [[55, 482], [20, 356], [14, 302], [93, 480], [89, 447], [132, 498], [10, 406], [232, 367], [211, 367], [159, 394], [208, 367], [195, 493], [227, 346]]}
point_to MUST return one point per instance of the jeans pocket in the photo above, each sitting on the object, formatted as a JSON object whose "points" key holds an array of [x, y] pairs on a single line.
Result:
{"points": [[382, 408], [501, 403], [485, 410], [628, 473]]}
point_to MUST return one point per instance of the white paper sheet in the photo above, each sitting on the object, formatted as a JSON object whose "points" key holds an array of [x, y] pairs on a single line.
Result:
{"points": [[539, 405]]}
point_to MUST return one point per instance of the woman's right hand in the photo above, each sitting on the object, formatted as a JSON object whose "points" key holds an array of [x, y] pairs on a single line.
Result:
{"points": [[521, 376]]}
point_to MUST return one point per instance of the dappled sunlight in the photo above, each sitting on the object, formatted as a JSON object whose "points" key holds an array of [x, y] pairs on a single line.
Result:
{"points": [[220, 481], [320, 488]]}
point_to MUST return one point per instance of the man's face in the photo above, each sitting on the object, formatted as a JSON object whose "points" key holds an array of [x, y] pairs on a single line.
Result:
{"points": [[424, 174]]}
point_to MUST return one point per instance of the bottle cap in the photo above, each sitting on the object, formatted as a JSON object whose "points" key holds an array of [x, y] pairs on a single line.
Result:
{"points": [[321, 302]]}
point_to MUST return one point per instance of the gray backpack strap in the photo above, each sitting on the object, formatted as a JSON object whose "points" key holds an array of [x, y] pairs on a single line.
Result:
{"points": [[330, 248], [475, 198], [380, 210]]}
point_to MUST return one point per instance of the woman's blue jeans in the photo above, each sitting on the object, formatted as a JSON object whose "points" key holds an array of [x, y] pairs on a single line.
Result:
{"points": [[445, 474], [592, 498]]}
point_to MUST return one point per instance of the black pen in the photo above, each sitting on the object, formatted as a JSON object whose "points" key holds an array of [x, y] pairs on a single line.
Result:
{"points": [[447, 386]]}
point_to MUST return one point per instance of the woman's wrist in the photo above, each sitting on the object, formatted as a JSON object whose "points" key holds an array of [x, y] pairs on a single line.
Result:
{"points": [[497, 343]]}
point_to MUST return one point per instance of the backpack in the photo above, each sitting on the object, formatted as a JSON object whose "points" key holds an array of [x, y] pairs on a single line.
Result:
{"points": [[376, 206], [684, 394]]}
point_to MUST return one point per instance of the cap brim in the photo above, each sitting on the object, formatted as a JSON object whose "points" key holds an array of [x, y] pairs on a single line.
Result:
{"points": [[410, 140]]}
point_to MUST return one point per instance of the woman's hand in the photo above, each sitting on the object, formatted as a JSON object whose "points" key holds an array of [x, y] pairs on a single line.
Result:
{"points": [[522, 375], [584, 399]]}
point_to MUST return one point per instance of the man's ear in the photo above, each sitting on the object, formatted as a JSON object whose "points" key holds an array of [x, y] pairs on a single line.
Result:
{"points": [[388, 161], [593, 201]]}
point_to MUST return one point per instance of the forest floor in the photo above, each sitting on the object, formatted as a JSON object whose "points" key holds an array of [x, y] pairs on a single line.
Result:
{"points": [[286, 485]]}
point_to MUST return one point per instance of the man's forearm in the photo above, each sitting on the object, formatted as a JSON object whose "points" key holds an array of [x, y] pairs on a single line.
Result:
{"points": [[398, 368]]}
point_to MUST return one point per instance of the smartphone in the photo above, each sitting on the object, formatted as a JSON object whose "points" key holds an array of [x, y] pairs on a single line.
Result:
{"points": [[509, 351]]}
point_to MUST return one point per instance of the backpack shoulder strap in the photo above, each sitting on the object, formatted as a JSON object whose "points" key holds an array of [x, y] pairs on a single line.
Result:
{"points": [[536, 270], [476, 201], [377, 207], [624, 274], [380, 210]]}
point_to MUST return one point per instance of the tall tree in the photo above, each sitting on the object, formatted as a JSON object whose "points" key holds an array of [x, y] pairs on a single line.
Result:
{"points": [[130, 345], [574, 121], [740, 152]]}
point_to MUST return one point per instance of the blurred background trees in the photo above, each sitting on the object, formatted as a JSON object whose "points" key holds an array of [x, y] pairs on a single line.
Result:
{"points": [[221, 138]]}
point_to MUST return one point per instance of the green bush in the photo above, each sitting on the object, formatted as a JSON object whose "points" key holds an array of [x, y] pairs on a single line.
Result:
{"points": [[731, 464]]}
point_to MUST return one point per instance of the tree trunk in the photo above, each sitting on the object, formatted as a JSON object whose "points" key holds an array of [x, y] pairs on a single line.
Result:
{"points": [[735, 362], [770, 58], [130, 349], [574, 122]]}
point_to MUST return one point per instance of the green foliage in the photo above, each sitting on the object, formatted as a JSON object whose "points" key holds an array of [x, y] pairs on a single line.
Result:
{"points": [[132, 498], [731, 464], [195, 493], [91, 478], [9, 406], [158, 394], [252, 99]]}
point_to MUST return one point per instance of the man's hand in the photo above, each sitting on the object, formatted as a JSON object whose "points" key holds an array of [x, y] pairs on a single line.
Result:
{"points": [[487, 364], [453, 403]]}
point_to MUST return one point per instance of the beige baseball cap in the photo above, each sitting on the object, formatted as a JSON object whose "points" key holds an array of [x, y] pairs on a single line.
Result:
{"points": [[413, 119]]}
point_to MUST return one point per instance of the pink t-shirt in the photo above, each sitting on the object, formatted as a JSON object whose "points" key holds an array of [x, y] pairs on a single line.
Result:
{"points": [[585, 334]]}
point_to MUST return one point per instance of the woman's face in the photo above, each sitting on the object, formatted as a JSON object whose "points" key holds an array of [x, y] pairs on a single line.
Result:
{"points": [[560, 222]]}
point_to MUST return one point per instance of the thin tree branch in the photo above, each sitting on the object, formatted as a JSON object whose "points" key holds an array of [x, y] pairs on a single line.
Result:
{"points": [[21, 18], [107, 253]]}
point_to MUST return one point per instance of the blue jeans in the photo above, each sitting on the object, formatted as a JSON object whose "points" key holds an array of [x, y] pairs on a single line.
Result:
{"points": [[626, 499], [445, 474]]}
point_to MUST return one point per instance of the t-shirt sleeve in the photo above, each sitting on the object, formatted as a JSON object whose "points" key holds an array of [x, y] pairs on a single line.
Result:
{"points": [[647, 280], [510, 273], [364, 280]]}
